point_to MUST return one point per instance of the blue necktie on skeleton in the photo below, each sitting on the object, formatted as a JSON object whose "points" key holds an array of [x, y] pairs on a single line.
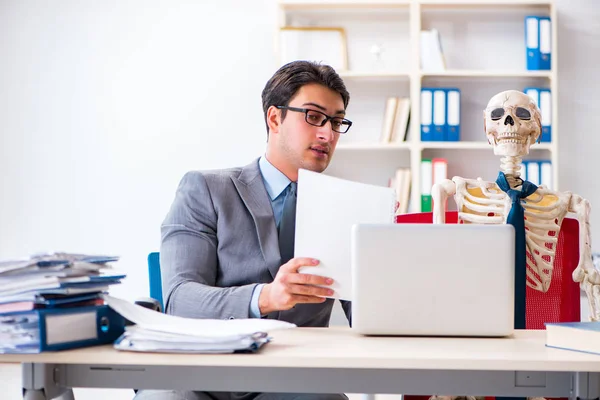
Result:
{"points": [[287, 225], [516, 217]]}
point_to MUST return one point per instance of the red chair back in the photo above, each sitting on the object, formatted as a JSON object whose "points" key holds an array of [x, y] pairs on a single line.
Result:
{"points": [[560, 303]]}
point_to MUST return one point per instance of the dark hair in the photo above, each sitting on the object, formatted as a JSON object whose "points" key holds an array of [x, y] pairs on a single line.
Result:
{"points": [[286, 82]]}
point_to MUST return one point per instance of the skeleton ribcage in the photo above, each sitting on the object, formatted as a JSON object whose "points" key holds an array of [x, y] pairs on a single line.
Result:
{"points": [[485, 203]]}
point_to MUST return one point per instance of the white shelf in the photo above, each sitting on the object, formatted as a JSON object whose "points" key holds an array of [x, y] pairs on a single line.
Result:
{"points": [[316, 4], [319, 4], [468, 73], [402, 75], [373, 75], [473, 145], [373, 146], [483, 3], [429, 145]]}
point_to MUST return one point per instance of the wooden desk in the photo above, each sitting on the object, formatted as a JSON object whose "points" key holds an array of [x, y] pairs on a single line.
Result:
{"points": [[333, 360]]}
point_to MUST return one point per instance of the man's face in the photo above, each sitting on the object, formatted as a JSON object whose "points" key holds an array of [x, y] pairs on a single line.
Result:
{"points": [[295, 143]]}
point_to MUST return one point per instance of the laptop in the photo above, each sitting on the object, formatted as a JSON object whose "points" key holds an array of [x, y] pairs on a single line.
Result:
{"points": [[433, 279]]}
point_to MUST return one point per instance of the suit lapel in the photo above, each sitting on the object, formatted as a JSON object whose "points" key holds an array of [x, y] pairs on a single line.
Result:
{"points": [[252, 190]]}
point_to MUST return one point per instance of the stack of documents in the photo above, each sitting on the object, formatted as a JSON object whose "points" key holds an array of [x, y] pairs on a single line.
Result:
{"points": [[156, 332], [54, 301]]}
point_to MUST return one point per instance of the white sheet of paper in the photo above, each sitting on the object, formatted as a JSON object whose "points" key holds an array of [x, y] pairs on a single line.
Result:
{"points": [[326, 209], [204, 328]]}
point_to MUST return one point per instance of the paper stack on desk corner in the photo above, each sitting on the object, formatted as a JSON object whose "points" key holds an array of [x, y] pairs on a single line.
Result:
{"points": [[157, 332]]}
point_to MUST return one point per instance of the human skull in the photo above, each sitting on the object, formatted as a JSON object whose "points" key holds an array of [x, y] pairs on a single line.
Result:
{"points": [[512, 123]]}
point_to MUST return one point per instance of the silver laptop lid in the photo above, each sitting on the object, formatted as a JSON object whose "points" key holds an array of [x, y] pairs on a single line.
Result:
{"points": [[430, 279]]}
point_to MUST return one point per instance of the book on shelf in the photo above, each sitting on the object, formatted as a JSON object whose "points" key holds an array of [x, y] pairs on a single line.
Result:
{"points": [[388, 119], [575, 336], [426, 184], [401, 120], [400, 182], [395, 120]]}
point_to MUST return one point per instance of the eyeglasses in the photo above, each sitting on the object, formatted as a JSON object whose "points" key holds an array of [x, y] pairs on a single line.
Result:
{"points": [[317, 118]]}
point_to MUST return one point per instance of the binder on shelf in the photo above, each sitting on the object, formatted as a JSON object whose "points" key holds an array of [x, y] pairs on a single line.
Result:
{"points": [[546, 111], [426, 183], [426, 115], [538, 42], [439, 115], [543, 100], [545, 43], [546, 177], [453, 115], [59, 329], [532, 171]]}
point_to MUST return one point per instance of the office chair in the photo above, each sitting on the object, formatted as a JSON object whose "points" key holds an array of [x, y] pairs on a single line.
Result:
{"points": [[561, 303], [155, 301]]}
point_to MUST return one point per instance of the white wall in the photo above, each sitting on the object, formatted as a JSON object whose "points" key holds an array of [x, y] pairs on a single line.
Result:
{"points": [[579, 103], [105, 104]]}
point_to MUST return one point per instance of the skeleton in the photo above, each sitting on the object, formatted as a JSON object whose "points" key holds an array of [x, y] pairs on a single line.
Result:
{"points": [[512, 125]]}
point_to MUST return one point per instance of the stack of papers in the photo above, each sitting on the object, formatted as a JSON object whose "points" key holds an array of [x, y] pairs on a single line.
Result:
{"points": [[44, 285], [56, 273], [156, 332]]}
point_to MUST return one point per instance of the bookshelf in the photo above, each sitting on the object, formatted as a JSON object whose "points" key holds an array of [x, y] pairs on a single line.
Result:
{"points": [[484, 48]]}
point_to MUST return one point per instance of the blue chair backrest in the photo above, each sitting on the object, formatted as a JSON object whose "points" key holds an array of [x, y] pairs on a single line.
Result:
{"points": [[154, 278]]}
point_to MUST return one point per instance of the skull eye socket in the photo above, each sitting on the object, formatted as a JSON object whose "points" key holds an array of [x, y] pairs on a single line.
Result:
{"points": [[496, 114], [522, 113]]}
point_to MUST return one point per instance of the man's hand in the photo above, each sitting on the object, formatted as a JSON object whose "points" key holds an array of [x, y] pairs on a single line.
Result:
{"points": [[291, 287]]}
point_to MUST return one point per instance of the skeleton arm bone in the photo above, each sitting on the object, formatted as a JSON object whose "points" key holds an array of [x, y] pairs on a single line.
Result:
{"points": [[439, 194], [585, 273]]}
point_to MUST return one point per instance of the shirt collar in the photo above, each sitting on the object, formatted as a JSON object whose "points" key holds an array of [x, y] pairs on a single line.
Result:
{"points": [[275, 180]]}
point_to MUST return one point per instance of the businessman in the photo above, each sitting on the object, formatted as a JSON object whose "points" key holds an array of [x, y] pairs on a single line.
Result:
{"points": [[227, 241]]}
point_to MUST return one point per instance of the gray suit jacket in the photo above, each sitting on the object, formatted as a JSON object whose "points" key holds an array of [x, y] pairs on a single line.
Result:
{"points": [[219, 240]]}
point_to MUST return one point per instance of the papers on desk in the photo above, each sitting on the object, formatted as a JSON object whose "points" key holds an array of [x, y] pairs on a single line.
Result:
{"points": [[326, 210], [159, 332], [42, 294]]}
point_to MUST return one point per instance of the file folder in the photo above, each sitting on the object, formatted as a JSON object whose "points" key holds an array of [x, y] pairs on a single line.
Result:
{"points": [[426, 115], [546, 174], [59, 329], [545, 43], [534, 93], [453, 115], [532, 43], [543, 100], [533, 171], [538, 42], [439, 115], [546, 111]]}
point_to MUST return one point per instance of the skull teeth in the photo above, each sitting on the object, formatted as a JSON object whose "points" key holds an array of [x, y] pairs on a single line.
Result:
{"points": [[511, 137], [511, 140]]}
